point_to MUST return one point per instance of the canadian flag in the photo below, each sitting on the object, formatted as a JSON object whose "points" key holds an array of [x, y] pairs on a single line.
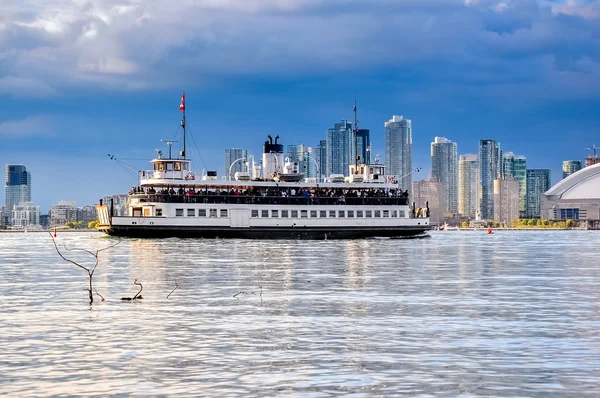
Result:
{"points": [[182, 105]]}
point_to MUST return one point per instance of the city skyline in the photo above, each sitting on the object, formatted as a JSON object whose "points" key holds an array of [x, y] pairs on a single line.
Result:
{"points": [[106, 77]]}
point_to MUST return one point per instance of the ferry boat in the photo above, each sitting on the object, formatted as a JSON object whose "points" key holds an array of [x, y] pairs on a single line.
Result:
{"points": [[277, 203]]}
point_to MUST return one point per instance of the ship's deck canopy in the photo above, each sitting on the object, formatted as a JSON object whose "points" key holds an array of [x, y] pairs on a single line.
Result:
{"points": [[164, 182]]}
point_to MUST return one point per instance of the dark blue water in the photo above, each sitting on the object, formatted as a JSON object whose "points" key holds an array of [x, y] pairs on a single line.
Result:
{"points": [[459, 314]]}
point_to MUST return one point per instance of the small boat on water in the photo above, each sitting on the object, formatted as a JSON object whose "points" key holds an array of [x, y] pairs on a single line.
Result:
{"points": [[171, 200]]}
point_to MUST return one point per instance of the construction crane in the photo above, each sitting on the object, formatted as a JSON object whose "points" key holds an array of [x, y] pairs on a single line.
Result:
{"points": [[593, 149]]}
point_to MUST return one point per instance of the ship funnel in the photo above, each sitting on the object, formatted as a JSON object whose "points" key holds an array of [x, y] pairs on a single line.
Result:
{"points": [[272, 159]]}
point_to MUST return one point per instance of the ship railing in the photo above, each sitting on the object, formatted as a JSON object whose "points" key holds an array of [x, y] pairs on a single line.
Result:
{"points": [[271, 200]]}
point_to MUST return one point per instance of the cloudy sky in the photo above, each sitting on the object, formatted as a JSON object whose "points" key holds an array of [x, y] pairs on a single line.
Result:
{"points": [[80, 79]]}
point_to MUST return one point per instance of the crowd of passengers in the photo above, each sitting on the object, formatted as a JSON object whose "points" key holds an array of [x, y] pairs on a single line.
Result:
{"points": [[278, 192]]}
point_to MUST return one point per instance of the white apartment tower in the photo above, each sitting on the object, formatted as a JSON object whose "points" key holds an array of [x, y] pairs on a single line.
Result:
{"points": [[398, 150], [468, 186], [444, 167]]}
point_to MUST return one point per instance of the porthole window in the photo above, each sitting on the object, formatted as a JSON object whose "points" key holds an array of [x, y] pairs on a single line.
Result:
{"points": [[202, 213], [254, 213], [264, 213], [191, 212], [359, 213], [284, 214], [223, 213], [313, 214], [323, 214], [178, 212]]}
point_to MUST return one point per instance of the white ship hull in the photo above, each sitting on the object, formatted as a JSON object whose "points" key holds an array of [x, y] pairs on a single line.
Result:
{"points": [[265, 222]]}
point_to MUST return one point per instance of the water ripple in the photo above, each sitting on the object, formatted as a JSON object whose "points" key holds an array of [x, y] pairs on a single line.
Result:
{"points": [[459, 314]]}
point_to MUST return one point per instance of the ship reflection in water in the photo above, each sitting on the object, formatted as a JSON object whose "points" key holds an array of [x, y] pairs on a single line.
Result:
{"points": [[461, 313]]}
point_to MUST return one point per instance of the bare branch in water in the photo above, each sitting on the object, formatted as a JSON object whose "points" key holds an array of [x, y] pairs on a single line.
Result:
{"points": [[137, 296], [88, 270], [102, 298], [176, 286]]}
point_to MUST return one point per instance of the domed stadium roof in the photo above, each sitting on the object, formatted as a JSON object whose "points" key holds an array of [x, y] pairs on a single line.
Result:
{"points": [[585, 184]]}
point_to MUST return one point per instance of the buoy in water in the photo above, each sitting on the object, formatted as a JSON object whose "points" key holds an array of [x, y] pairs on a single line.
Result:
{"points": [[490, 232], [55, 232]]}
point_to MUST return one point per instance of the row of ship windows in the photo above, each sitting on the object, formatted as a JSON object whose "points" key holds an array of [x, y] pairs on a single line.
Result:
{"points": [[328, 213], [298, 213], [202, 213]]}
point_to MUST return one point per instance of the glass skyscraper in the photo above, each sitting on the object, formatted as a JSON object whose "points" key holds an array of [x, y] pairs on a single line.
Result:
{"points": [[321, 156], [17, 188], [444, 167], [516, 167], [490, 157], [231, 155], [538, 182], [398, 150], [570, 166], [340, 148], [363, 146], [303, 155]]}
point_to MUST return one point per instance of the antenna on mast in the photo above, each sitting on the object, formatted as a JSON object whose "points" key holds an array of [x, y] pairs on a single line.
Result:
{"points": [[169, 143]]}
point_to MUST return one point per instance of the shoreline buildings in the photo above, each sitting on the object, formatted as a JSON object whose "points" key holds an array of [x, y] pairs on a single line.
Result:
{"points": [[340, 148], [538, 182], [398, 150], [17, 188], [430, 192], [468, 186], [506, 200], [576, 197], [516, 167], [490, 157], [570, 167], [444, 168]]}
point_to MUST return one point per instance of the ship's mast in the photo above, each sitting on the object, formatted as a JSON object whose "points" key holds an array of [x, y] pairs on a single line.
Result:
{"points": [[182, 108], [356, 157]]}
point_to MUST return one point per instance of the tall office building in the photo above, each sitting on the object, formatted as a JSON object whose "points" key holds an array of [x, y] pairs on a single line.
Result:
{"points": [[321, 154], [231, 155], [490, 168], [363, 146], [430, 192], [506, 200], [304, 156], [570, 166], [398, 150], [516, 167], [444, 167], [538, 182], [468, 186], [17, 188], [340, 148]]}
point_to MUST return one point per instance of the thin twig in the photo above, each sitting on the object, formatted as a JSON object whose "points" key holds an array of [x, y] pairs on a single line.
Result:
{"points": [[99, 294], [63, 257], [176, 286], [135, 282]]}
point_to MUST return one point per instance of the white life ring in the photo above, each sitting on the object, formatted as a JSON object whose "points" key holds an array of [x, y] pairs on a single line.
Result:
{"points": [[190, 176]]}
